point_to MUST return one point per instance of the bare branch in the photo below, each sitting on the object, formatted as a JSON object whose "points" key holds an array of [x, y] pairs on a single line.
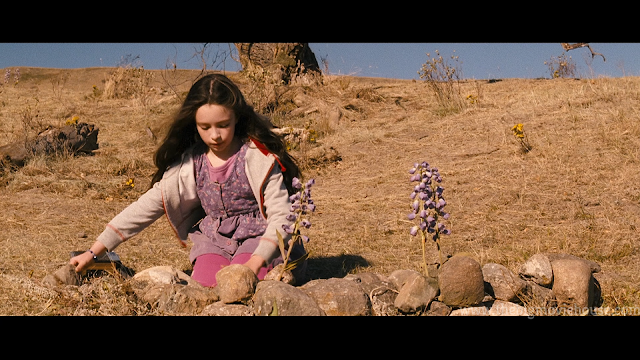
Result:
{"points": [[567, 47]]}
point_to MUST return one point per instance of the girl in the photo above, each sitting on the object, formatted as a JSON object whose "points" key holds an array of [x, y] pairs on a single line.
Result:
{"points": [[223, 180]]}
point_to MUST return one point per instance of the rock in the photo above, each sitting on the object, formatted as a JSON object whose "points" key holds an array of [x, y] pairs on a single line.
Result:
{"points": [[537, 269], [219, 308], [471, 311], [179, 298], [399, 277], [436, 308], [595, 268], [539, 296], [382, 293], [338, 297], [505, 308], [236, 283], [65, 275], [287, 276], [502, 283], [416, 294], [158, 275], [573, 284], [461, 282], [277, 298]]}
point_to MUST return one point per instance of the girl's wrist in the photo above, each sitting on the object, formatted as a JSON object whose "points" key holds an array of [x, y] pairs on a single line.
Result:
{"points": [[93, 255]]}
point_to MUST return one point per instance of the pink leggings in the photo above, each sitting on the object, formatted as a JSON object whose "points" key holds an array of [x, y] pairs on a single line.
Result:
{"points": [[208, 265]]}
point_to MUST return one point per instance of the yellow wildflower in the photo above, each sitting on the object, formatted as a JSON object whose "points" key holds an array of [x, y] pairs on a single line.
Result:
{"points": [[72, 121]]}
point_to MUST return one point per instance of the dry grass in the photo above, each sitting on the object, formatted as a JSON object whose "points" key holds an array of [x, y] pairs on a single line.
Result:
{"points": [[576, 191]]}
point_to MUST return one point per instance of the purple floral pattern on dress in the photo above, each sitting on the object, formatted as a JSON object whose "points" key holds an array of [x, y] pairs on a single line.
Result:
{"points": [[233, 213]]}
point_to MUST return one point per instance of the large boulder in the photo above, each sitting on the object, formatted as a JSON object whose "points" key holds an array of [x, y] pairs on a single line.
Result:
{"points": [[461, 282]]}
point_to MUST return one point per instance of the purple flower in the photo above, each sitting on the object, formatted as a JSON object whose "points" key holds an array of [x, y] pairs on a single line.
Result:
{"points": [[294, 197], [411, 216], [431, 221], [414, 231], [287, 228], [305, 239], [306, 223], [296, 183], [311, 207], [310, 183], [292, 217]]}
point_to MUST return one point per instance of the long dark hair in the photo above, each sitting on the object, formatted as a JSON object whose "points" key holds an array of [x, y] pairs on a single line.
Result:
{"points": [[220, 90]]}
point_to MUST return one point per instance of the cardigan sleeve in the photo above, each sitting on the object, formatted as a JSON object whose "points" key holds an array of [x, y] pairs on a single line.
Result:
{"points": [[276, 206], [134, 218]]}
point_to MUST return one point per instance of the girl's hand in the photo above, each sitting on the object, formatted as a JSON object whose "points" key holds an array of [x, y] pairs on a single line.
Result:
{"points": [[255, 263], [85, 259], [82, 261]]}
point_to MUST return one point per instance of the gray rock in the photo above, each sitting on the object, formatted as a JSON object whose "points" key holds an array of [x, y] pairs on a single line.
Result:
{"points": [[178, 298], [436, 308], [539, 296], [399, 277], [382, 293], [573, 284], [279, 299], [236, 283], [461, 282], [159, 275], [537, 269], [219, 308], [502, 283], [416, 294], [339, 297], [279, 274]]}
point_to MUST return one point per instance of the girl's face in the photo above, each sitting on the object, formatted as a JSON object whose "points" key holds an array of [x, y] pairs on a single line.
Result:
{"points": [[216, 125]]}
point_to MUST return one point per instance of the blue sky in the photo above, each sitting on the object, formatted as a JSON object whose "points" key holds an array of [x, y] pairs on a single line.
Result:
{"points": [[389, 60]]}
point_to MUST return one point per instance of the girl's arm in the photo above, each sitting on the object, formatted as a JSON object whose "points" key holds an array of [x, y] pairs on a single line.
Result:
{"points": [[133, 219]]}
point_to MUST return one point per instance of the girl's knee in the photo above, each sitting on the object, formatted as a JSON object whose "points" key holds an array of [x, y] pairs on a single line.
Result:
{"points": [[206, 267]]}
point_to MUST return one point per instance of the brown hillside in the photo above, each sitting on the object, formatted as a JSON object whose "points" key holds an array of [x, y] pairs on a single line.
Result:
{"points": [[577, 191]]}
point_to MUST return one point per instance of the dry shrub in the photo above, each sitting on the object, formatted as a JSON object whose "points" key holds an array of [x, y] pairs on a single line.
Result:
{"points": [[129, 83], [443, 78]]}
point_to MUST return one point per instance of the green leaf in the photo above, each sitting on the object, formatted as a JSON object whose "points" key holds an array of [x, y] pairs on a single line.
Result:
{"points": [[274, 309], [293, 264]]}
